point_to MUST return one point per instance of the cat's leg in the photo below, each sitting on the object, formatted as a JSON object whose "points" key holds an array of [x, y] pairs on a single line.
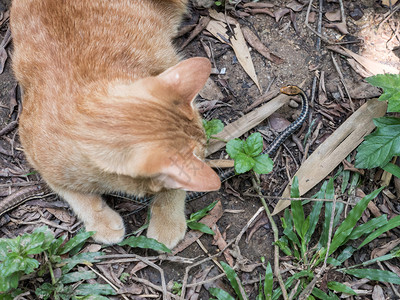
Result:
{"points": [[167, 221], [96, 216]]}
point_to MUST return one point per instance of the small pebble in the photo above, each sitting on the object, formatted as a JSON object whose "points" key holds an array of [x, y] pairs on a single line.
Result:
{"points": [[356, 14], [293, 104]]}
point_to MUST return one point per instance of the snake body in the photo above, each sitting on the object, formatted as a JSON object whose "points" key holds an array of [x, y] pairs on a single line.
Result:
{"points": [[41, 191]]}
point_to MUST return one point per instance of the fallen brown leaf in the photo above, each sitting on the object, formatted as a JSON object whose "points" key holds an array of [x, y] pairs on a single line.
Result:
{"points": [[255, 42], [333, 16], [219, 30], [220, 242], [295, 6], [280, 13]]}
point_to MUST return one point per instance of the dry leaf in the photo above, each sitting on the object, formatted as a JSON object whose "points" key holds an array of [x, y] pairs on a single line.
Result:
{"points": [[280, 13], [61, 214], [238, 43], [295, 6], [387, 3], [341, 27], [211, 91], [335, 149], [333, 16], [370, 65], [221, 243], [255, 42], [258, 5], [199, 28], [378, 294]]}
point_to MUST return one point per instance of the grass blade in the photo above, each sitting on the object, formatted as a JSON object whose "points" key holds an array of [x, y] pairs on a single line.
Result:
{"points": [[220, 294], [315, 212], [233, 279], [347, 226], [297, 208], [77, 276], [374, 274], [200, 227], [340, 287], [329, 194], [392, 223], [144, 243], [201, 213], [75, 241], [368, 227], [268, 282], [392, 169]]}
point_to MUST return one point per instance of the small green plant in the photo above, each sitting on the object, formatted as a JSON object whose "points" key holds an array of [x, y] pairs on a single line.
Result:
{"points": [[40, 252], [212, 128], [177, 288], [193, 223], [379, 147], [246, 155]]}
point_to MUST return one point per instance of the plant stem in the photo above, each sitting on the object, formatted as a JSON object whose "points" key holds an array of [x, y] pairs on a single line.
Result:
{"points": [[256, 184]]}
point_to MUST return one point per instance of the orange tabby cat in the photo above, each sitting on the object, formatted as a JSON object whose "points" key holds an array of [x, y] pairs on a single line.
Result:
{"points": [[108, 107]]}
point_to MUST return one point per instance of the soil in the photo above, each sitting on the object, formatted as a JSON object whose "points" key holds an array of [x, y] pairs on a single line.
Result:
{"points": [[302, 63]]}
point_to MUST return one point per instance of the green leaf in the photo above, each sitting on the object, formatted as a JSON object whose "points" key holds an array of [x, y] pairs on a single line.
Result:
{"points": [[297, 208], [340, 287], [288, 283], [373, 274], [391, 86], [200, 227], [94, 289], [220, 294], [243, 163], [380, 146], [234, 147], [322, 295], [268, 282], [203, 212], [368, 227], [93, 297], [348, 224], [392, 223], [392, 169], [77, 276], [346, 253], [329, 194], [81, 258], [212, 127], [264, 164], [253, 145], [75, 241], [233, 279], [144, 243]]}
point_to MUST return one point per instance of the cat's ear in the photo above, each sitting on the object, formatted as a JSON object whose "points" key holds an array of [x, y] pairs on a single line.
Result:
{"points": [[189, 174], [187, 78]]}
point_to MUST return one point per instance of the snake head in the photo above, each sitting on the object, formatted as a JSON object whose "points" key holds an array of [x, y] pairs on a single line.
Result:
{"points": [[290, 90]]}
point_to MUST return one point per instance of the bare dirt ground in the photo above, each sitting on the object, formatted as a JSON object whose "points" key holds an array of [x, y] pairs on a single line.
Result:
{"points": [[287, 37]]}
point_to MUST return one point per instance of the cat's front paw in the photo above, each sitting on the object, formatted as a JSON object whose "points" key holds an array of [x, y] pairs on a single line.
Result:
{"points": [[167, 231], [108, 225]]}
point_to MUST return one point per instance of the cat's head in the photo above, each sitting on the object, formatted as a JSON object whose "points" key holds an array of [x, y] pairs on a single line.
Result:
{"points": [[167, 129]]}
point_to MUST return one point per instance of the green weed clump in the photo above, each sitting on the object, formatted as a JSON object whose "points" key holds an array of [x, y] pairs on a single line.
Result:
{"points": [[298, 234], [41, 253]]}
